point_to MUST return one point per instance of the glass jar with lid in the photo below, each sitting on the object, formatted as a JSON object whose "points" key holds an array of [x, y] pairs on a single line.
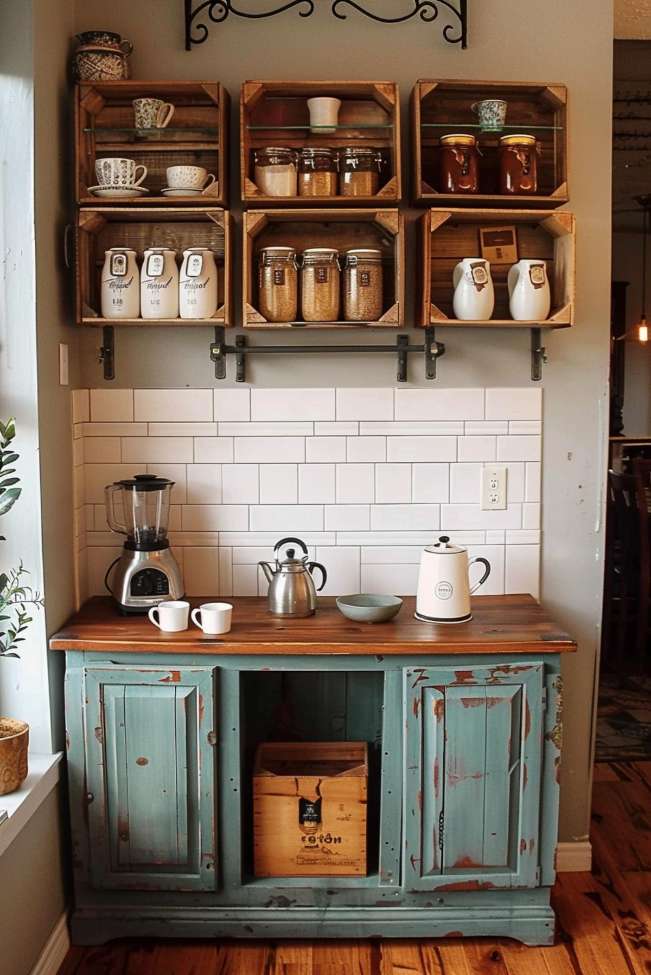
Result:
{"points": [[275, 171], [320, 284], [519, 164], [459, 164], [363, 285], [278, 284], [317, 172], [359, 171]]}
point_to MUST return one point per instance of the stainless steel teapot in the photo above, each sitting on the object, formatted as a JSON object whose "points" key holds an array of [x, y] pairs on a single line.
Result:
{"points": [[291, 587]]}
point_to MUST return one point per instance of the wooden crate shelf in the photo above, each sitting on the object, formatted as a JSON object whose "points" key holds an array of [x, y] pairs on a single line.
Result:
{"points": [[100, 228], [444, 107], [447, 236], [343, 229], [196, 136], [275, 113]]}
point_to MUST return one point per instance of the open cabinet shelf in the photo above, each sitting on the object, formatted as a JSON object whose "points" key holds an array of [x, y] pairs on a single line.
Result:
{"points": [[448, 236], [341, 229], [445, 107], [275, 113], [197, 136], [101, 228]]}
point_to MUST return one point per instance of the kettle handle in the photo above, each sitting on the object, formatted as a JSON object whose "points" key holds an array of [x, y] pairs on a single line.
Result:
{"points": [[284, 541], [485, 575], [311, 566]]}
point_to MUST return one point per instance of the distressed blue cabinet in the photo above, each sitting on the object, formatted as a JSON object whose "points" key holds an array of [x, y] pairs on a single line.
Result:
{"points": [[473, 766], [150, 772]]}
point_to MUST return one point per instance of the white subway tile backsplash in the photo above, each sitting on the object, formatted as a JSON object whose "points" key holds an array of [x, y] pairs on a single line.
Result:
{"points": [[530, 427], [286, 518], [518, 448], [532, 482], [421, 449], [281, 428], [316, 483], [469, 516], [494, 555], [531, 516], [278, 484], [514, 481], [514, 404], [267, 450], [267, 539], [439, 404], [225, 556], [365, 404], [465, 483], [399, 579], [404, 517], [495, 536], [477, 448], [355, 483], [392, 483], [114, 430], [111, 405], [201, 572], [412, 428], [327, 429], [521, 537], [483, 428], [293, 404], [365, 449], [523, 569], [145, 450], [347, 517], [173, 472], [430, 483], [215, 517], [232, 404], [391, 555], [172, 405], [342, 567], [245, 580], [213, 450], [182, 429], [325, 450], [80, 405], [204, 484], [401, 538], [240, 484], [98, 476]]}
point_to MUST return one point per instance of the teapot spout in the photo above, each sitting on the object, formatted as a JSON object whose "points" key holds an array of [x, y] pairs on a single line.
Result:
{"points": [[268, 571]]}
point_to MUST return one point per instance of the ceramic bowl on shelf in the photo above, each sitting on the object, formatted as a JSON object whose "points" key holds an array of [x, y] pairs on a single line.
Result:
{"points": [[369, 607]]}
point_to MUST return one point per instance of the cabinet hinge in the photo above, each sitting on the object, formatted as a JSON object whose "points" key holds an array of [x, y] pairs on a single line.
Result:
{"points": [[537, 876], [441, 829], [544, 699]]}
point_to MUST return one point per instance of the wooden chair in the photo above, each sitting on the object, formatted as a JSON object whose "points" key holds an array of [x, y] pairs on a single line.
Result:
{"points": [[642, 477], [621, 621]]}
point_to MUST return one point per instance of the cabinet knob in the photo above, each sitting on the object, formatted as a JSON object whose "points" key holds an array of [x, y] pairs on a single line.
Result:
{"points": [[89, 797]]}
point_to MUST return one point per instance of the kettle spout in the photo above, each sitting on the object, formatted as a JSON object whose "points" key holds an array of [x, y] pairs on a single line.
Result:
{"points": [[268, 571]]}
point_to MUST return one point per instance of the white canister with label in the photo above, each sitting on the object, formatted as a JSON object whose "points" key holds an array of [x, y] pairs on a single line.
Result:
{"points": [[474, 296], [529, 293], [198, 284], [120, 291], [159, 284]]}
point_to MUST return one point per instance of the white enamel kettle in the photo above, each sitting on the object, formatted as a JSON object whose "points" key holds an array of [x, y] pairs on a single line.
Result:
{"points": [[443, 583]]}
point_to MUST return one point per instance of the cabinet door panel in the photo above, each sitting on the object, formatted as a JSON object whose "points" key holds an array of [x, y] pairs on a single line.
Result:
{"points": [[151, 777], [474, 741]]}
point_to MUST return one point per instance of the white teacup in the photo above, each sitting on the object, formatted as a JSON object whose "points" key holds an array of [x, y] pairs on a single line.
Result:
{"points": [[324, 113], [115, 171], [189, 178], [213, 618], [172, 615], [152, 113]]}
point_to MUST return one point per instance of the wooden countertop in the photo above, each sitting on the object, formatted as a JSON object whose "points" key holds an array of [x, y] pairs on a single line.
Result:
{"points": [[501, 624]]}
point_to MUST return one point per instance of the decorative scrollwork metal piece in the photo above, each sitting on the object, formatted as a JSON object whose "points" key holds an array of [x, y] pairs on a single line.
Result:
{"points": [[217, 11]]}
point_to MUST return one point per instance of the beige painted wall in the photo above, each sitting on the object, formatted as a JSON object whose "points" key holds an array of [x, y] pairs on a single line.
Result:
{"points": [[549, 45]]}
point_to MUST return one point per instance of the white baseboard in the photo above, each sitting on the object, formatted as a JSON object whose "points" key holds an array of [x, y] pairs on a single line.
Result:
{"points": [[574, 857], [55, 950]]}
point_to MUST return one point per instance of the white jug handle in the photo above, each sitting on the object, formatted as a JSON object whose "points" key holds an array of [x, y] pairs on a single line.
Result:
{"points": [[512, 278], [457, 274], [151, 616], [485, 575], [193, 616]]}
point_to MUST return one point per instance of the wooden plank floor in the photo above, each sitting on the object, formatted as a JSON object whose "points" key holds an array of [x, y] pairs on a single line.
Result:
{"points": [[604, 920]]}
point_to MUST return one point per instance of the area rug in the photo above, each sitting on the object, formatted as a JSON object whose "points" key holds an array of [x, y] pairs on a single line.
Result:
{"points": [[623, 719]]}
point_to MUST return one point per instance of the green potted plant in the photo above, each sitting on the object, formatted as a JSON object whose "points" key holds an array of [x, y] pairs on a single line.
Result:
{"points": [[17, 600]]}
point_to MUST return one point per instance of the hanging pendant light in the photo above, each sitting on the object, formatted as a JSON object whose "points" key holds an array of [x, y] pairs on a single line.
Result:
{"points": [[641, 328]]}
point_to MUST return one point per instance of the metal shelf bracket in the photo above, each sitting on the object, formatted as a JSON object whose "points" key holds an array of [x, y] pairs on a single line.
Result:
{"points": [[107, 352], [538, 355]]}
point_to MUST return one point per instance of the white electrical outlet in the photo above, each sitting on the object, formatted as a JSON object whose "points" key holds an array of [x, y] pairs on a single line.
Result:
{"points": [[64, 377], [493, 488]]}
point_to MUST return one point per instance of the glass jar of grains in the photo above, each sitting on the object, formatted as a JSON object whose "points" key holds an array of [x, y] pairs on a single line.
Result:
{"points": [[275, 171], [359, 171], [278, 284], [363, 285], [317, 172], [320, 285]]}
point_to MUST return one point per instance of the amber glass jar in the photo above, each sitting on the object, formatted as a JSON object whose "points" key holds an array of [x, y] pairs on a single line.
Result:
{"points": [[359, 171], [363, 285], [459, 167], [320, 285], [519, 164], [317, 172], [278, 284]]}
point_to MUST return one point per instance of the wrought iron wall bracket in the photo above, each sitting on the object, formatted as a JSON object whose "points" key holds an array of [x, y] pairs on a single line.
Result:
{"points": [[200, 13], [538, 355], [107, 352], [220, 349]]}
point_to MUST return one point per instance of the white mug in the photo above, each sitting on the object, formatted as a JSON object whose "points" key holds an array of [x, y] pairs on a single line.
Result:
{"points": [[189, 178], [213, 618], [172, 615], [324, 113], [152, 113], [117, 171]]}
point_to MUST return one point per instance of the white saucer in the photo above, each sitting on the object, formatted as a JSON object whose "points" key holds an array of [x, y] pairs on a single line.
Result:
{"points": [[118, 191], [179, 191]]}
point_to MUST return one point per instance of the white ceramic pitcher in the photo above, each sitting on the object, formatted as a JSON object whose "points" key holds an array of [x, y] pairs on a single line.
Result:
{"points": [[120, 290], [159, 284], [529, 294], [474, 296], [198, 284]]}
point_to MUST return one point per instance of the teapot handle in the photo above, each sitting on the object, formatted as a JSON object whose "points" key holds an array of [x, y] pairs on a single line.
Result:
{"points": [[311, 566], [297, 541], [485, 575]]}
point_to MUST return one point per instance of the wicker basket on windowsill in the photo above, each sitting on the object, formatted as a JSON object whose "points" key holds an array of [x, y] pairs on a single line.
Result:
{"points": [[14, 742]]}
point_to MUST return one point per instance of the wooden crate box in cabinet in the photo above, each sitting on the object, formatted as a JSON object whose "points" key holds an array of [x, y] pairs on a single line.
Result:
{"points": [[275, 113], [102, 228], [309, 809], [447, 236], [445, 107], [197, 135], [341, 229]]}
